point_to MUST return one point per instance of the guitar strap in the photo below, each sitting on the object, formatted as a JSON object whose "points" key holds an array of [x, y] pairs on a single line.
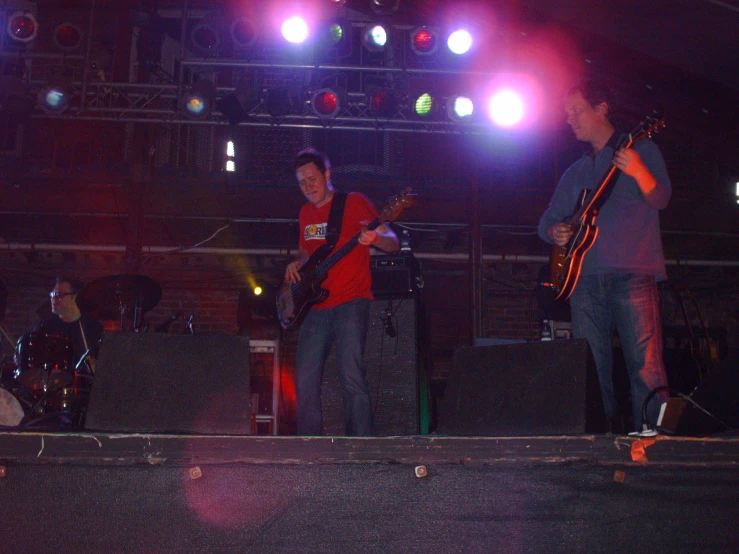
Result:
{"points": [[614, 142], [335, 218]]}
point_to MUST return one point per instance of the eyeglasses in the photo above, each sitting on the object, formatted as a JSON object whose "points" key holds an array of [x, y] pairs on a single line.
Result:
{"points": [[58, 295]]}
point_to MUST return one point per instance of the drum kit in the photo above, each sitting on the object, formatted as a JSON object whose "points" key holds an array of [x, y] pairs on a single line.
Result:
{"points": [[47, 387]]}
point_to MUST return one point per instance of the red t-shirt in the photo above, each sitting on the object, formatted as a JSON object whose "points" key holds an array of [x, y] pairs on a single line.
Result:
{"points": [[350, 278]]}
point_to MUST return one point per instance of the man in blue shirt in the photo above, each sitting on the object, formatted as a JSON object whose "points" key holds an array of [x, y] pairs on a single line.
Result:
{"points": [[617, 286]]}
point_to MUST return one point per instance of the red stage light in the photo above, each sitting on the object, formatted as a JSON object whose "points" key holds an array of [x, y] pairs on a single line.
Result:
{"points": [[383, 103], [67, 36], [325, 103], [22, 27], [424, 41]]}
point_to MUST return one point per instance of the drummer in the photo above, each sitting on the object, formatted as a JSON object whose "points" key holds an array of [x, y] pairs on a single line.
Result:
{"points": [[67, 319]]}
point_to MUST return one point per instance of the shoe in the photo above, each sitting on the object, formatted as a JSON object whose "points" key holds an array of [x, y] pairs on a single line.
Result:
{"points": [[645, 432]]}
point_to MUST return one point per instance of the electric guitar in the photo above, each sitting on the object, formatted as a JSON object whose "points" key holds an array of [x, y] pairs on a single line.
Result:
{"points": [[294, 300], [565, 262]]}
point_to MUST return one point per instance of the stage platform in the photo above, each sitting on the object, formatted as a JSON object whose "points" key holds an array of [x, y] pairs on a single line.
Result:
{"points": [[105, 492]]}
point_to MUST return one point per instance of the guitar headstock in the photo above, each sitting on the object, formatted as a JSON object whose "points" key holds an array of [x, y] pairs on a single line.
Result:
{"points": [[392, 210], [650, 125]]}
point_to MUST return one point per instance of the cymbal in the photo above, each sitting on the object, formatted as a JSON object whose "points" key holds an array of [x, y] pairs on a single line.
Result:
{"points": [[120, 291]]}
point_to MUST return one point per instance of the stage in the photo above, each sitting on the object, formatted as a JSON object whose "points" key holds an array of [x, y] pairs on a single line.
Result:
{"points": [[95, 492]]}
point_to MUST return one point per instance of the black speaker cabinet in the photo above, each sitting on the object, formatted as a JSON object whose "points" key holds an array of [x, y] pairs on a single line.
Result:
{"points": [[535, 388], [394, 275], [162, 383], [392, 372]]}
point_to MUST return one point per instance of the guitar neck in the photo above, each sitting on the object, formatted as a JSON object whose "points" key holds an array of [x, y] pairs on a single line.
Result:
{"points": [[322, 268], [597, 192]]}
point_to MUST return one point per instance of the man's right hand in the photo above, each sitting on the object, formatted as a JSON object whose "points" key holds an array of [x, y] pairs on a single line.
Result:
{"points": [[292, 272], [560, 233]]}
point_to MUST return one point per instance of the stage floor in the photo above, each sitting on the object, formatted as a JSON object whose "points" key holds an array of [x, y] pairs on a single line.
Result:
{"points": [[105, 492]]}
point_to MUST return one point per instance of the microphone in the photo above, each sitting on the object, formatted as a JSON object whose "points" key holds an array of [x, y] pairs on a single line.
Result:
{"points": [[388, 321], [189, 324], [164, 327], [82, 359]]}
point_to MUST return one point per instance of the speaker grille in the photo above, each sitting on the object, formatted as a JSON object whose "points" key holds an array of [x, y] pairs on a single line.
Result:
{"points": [[162, 383], [536, 388], [392, 372]]}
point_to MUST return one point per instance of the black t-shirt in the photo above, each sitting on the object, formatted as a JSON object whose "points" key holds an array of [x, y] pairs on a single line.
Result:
{"points": [[93, 330]]}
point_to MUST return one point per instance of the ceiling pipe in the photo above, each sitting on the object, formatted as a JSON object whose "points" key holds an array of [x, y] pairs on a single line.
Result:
{"points": [[287, 252]]}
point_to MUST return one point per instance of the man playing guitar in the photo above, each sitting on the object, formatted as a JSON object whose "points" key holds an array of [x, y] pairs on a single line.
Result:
{"points": [[617, 284], [344, 314]]}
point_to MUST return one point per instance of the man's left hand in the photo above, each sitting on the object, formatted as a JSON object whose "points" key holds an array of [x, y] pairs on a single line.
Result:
{"points": [[628, 161], [367, 237]]}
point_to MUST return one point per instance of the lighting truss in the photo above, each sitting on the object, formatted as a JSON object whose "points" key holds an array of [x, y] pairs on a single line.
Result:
{"points": [[157, 103]]}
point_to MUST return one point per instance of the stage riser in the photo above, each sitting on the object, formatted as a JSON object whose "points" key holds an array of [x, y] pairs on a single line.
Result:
{"points": [[367, 508]]}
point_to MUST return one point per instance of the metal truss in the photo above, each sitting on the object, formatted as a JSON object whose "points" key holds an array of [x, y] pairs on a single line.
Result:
{"points": [[158, 103], [98, 99]]}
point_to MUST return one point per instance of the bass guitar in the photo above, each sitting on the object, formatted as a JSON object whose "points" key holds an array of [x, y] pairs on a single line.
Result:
{"points": [[294, 300], [565, 262]]}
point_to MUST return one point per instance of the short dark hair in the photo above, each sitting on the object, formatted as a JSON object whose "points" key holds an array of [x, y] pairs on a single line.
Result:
{"points": [[75, 285], [311, 155], [595, 90]]}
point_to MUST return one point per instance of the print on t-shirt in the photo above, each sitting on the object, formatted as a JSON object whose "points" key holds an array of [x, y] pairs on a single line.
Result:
{"points": [[315, 232]]}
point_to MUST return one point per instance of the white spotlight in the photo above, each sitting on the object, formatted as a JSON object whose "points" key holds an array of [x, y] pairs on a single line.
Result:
{"points": [[460, 42], [295, 30]]}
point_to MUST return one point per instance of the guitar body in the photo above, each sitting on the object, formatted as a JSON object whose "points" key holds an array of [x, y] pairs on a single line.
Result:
{"points": [[565, 262], [294, 301]]}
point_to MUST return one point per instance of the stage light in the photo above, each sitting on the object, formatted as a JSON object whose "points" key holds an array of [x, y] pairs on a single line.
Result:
{"points": [[460, 42], [279, 101], [424, 41], [243, 33], [54, 99], [375, 37], [460, 108], [336, 38], [22, 27], [67, 37], [237, 105], [295, 30], [385, 6], [326, 103], [206, 39], [382, 102], [197, 103], [506, 108], [336, 32], [424, 105]]}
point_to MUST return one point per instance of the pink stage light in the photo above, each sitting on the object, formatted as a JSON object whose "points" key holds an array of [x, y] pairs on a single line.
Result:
{"points": [[506, 108]]}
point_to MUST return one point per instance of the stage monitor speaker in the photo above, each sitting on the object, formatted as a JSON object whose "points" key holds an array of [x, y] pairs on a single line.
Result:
{"points": [[166, 383], [392, 372], [535, 388]]}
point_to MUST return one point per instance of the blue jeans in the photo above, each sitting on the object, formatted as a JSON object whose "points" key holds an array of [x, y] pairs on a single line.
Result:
{"points": [[628, 303], [347, 324]]}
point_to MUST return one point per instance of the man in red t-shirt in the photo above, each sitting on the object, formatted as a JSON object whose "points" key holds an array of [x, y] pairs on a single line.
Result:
{"points": [[344, 315]]}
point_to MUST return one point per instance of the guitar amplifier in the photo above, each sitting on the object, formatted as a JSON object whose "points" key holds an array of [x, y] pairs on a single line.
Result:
{"points": [[395, 275]]}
